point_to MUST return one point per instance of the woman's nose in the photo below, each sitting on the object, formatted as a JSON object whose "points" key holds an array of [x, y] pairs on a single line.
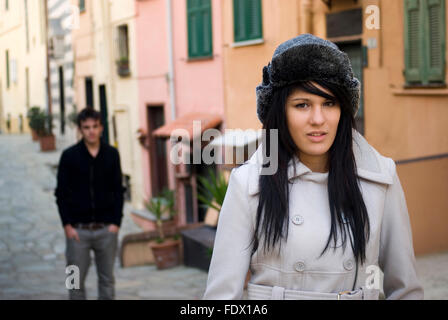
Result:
{"points": [[317, 115]]}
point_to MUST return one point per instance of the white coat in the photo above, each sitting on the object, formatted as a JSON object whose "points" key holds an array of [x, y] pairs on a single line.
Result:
{"points": [[298, 272]]}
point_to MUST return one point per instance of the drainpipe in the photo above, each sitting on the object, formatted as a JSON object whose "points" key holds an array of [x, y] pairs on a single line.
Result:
{"points": [[169, 21]]}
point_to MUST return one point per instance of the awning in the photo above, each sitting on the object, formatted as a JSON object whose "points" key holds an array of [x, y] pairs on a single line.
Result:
{"points": [[237, 138], [207, 121], [236, 146]]}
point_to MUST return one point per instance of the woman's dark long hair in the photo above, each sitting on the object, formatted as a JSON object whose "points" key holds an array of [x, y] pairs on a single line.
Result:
{"points": [[348, 212]]}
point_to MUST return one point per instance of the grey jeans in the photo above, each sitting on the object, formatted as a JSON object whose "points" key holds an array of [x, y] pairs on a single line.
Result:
{"points": [[104, 245]]}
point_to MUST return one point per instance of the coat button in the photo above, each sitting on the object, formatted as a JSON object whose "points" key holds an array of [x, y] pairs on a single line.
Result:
{"points": [[349, 264], [297, 219], [299, 266]]}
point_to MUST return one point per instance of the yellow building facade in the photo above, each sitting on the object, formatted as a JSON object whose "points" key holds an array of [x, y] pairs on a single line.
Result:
{"points": [[22, 62]]}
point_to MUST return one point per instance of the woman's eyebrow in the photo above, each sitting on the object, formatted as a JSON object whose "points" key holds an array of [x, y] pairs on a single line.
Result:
{"points": [[304, 99]]}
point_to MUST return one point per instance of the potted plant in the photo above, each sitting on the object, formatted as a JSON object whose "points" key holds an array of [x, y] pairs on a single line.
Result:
{"points": [[123, 66], [165, 250], [212, 191], [43, 126], [32, 113]]}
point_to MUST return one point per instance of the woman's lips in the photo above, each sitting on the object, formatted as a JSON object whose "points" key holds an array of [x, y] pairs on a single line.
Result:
{"points": [[317, 138]]}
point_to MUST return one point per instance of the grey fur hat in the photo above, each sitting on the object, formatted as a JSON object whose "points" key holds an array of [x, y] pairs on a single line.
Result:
{"points": [[306, 57]]}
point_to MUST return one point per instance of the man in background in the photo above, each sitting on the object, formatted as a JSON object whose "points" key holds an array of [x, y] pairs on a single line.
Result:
{"points": [[89, 196]]}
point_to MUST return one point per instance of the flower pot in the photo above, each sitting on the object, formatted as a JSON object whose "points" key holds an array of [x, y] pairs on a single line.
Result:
{"points": [[123, 69], [34, 135], [47, 143], [166, 254]]}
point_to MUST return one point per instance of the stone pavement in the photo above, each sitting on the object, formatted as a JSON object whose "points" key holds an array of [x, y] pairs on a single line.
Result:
{"points": [[32, 242], [32, 245]]}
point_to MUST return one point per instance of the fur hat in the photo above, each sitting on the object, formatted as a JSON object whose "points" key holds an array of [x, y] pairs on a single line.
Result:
{"points": [[303, 58]]}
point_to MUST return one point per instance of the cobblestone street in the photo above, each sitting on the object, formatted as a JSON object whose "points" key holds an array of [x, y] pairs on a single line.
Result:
{"points": [[32, 245]]}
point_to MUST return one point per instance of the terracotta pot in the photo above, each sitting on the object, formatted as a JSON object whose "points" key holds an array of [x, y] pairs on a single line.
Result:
{"points": [[47, 143], [166, 254], [34, 135]]}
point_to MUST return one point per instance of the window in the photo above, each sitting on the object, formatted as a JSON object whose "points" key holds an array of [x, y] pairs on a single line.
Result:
{"points": [[123, 51], [82, 5], [424, 42], [247, 20], [7, 69], [199, 20]]}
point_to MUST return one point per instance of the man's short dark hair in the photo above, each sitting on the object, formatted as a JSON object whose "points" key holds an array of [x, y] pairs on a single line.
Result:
{"points": [[88, 113]]}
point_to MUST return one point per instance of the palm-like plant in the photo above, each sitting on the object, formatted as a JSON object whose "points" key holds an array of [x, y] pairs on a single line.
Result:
{"points": [[159, 206], [212, 190]]}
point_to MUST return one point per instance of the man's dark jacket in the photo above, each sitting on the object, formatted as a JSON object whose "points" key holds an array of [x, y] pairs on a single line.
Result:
{"points": [[90, 189]]}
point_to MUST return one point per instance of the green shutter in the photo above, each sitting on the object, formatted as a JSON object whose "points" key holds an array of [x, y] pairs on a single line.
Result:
{"points": [[82, 5], [199, 20], [413, 52], [239, 27], [254, 19], [425, 41], [435, 41], [206, 16], [247, 20]]}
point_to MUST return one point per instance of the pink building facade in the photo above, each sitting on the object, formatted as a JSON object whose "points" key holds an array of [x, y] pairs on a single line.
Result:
{"points": [[178, 75]]}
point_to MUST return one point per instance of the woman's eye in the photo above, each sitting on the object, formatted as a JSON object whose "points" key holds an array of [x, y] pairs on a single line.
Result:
{"points": [[329, 103], [302, 105]]}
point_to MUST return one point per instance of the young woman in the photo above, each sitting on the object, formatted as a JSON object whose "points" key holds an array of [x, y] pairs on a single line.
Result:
{"points": [[333, 214]]}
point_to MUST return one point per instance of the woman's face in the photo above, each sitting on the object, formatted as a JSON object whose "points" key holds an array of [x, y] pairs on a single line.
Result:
{"points": [[313, 123]]}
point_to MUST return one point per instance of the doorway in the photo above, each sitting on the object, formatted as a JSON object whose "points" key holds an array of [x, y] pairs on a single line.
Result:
{"points": [[157, 150], [103, 110], [61, 100], [89, 92]]}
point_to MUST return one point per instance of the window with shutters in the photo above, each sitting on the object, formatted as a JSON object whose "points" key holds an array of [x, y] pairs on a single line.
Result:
{"points": [[123, 67], [199, 21], [247, 20], [82, 5], [425, 45]]}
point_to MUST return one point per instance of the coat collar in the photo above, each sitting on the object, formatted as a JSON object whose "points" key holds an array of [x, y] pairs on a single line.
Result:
{"points": [[83, 147], [370, 164]]}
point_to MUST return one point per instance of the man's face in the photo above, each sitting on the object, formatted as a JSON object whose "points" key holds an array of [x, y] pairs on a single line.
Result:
{"points": [[91, 130]]}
